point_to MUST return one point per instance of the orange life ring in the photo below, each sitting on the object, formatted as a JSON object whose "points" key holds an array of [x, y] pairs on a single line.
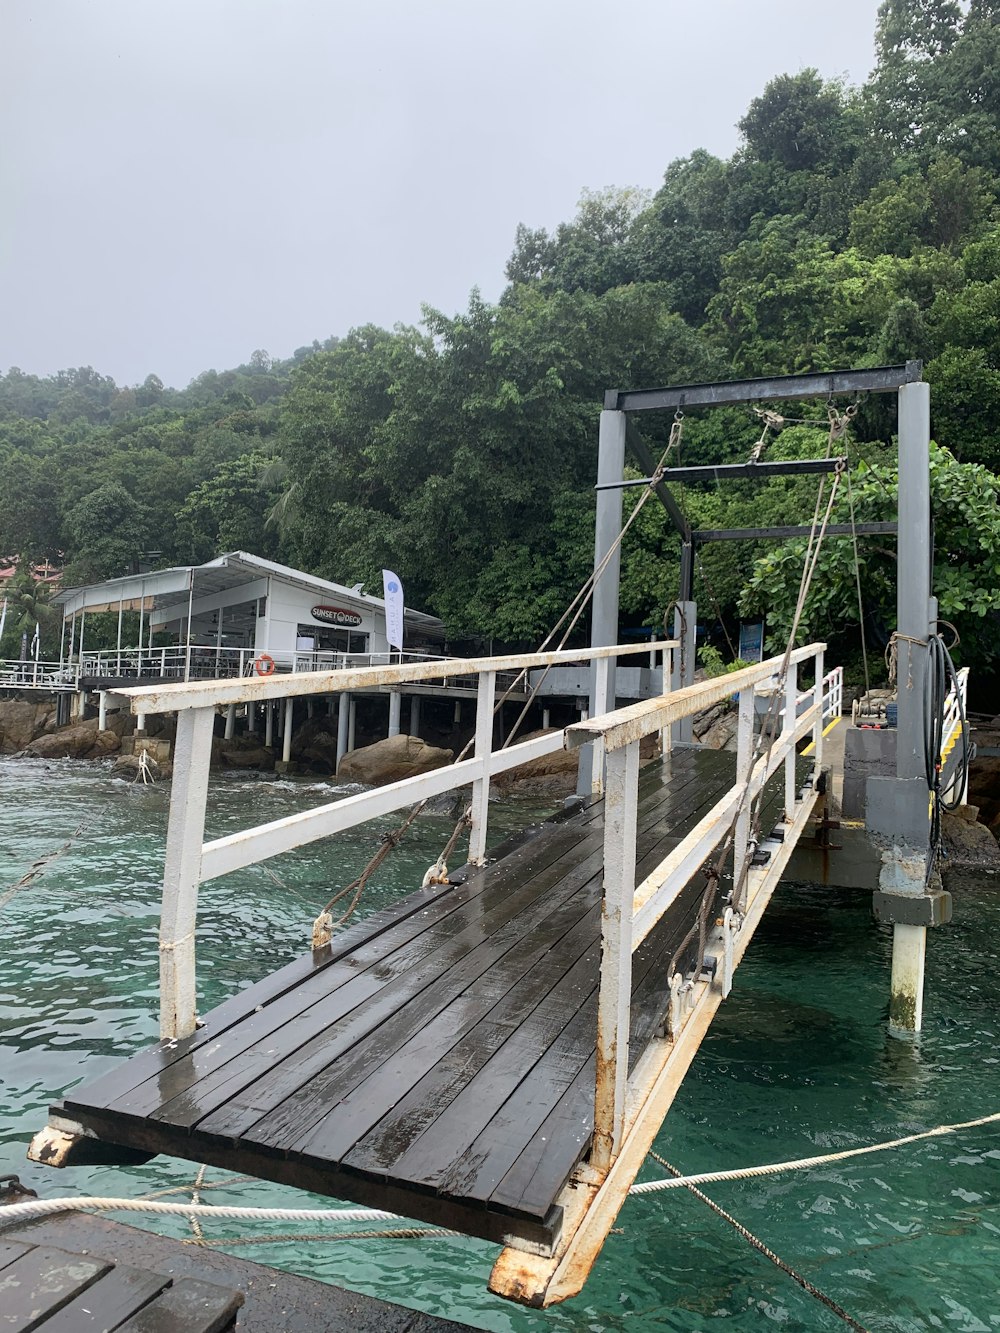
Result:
{"points": [[264, 665]]}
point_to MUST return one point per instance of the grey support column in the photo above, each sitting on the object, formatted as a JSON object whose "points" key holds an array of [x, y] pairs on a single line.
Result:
{"points": [[414, 714], [343, 726], [607, 528], [683, 663], [395, 704], [897, 808]]}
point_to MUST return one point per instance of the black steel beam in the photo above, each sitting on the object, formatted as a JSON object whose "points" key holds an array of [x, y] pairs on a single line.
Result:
{"points": [[728, 471], [882, 379], [640, 452], [801, 530]]}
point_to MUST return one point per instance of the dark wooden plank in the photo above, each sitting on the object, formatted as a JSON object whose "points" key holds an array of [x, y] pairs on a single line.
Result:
{"points": [[464, 1140], [144, 1084], [563, 1136], [189, 1306], [340, 1017], [327, 1074], [40, 1282], [390, 1087], [109, 1302], [9, 1251], [397, 1102]]}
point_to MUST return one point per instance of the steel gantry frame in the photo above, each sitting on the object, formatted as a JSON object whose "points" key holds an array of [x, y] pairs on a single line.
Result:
{"points": [[900, 810]]}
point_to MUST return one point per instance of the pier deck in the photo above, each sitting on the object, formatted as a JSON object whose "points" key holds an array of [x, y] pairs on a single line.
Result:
{"points": [[438, 1059]]}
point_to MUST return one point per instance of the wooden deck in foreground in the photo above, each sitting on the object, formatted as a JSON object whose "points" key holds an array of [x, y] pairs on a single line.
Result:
{"points": [[438, 1059]]}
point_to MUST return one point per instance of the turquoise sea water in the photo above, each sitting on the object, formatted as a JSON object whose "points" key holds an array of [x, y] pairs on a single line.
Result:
{"points": [[797, 1063]]}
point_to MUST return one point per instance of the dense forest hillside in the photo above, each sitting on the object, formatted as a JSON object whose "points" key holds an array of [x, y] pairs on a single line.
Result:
{"points": [[854, 226]]}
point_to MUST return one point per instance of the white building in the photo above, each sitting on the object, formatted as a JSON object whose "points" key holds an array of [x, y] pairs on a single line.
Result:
{"points": [[231, 616]]}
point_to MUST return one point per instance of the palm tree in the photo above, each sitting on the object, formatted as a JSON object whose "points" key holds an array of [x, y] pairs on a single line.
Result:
{"points": [[29, 603]]}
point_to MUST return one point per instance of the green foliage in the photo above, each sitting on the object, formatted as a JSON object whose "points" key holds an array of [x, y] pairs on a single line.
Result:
{"points": [[965, 498], [715, 664]]}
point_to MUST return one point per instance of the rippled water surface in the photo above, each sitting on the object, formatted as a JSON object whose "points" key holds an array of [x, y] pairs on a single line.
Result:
{"points": [[797, 1063]]}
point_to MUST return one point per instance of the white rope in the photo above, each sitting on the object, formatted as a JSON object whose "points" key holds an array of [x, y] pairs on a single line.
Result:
{"points": [[22, 1212], [32, 1208], [803, 1163]]}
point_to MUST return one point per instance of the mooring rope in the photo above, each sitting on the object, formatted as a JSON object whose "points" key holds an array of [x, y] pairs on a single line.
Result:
{"points": [[763, 1249], [804, 1163], [21, 1212]]}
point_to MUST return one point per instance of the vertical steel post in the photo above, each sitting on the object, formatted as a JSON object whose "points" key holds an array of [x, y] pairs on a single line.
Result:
{"points": [[268, 708], [682, 669], [909, 943], [791, 716], [744, 763], [352, 722], [286, 737], [230, 721], [820, 726], [614, 1002], [395, 707], [604, 612], [182, 871], [485, 702], [343, 724], [414, 714]]}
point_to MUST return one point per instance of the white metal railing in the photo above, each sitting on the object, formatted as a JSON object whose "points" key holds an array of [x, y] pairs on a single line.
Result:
{"points": [[189, 859], [43, 675], [630, 909]]}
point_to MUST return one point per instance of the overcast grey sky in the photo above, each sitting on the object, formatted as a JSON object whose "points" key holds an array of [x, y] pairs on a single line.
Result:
{"points": [[183, 181]]}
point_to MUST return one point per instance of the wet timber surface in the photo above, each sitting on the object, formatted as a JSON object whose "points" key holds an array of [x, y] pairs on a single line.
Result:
{"points": [[75, 1272], [438, 1058]]}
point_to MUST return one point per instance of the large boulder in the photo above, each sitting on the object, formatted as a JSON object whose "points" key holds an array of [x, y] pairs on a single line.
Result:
{"points": [[966, 842], [242, 752], [131, 768], [391, 760], [315, 744], [21, 722], [82, 741], [554, 772]]}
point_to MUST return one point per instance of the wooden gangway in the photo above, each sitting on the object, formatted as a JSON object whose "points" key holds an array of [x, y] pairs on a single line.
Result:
{"points": [[496, 1052]]}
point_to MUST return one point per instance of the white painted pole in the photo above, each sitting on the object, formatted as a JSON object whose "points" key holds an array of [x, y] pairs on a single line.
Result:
{"points": [[744, 756], [182, 872], [614, 1004], [485, 703], [286, 750], [118, 643], [546, 719], [343, 724], [187, 648], [791, 710], [102, 710], [395, 703], [140, 722]]}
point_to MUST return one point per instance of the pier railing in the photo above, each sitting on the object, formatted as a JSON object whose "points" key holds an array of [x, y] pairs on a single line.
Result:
{"points": [[631, 910], [189, 860]]}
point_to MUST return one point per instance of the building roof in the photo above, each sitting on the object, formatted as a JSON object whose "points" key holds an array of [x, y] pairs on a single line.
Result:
{"points": [[163, 589]]}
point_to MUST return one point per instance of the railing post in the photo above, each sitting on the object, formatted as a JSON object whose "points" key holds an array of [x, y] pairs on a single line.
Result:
{"points": [[485, 703], [744, 757], [614, 1005], [820, 724], [791, 717], [182, 872]]}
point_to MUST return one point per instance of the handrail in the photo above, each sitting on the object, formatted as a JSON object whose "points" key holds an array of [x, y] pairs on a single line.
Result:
{"points": [[630, 911], [189, 860], [183, 695]]}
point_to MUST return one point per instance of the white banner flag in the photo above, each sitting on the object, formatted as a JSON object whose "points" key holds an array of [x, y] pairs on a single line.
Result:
{"points": [[3, 617], [393, 592]]}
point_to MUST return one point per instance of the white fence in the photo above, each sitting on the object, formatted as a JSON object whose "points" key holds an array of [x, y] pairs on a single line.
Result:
{"points": [[189, 859], [631, 910]]}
